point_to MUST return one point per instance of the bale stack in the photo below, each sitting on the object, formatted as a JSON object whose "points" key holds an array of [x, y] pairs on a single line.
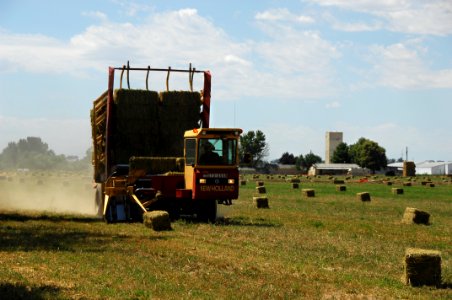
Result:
{"points": [[364, 196], [422, 267], [415, 216], [179, 111], [261, 189], [136, 121], [409, 168], [157, 220]]}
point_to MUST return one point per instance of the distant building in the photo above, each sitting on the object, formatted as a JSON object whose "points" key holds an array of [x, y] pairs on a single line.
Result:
{"points": [[426, 168], [332, 140], [337, 169]]}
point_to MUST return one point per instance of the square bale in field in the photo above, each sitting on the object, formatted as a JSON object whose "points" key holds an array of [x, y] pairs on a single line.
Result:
{"points": [[295, 180], [261, 190], [415, 216], [388, 183], [341, 188], [157, 220], [363, 196], [260, 201], [308, 192], [259, 183], [242, 182], [338, 181], [432, 185], [397, 191], [407, 184], [295, 185], [422, 267]]}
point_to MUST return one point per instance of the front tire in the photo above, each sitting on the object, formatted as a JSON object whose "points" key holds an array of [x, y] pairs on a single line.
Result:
{"points": [[207, 210]]}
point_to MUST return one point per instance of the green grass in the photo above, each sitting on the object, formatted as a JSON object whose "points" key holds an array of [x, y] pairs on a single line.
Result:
{"points": [[330, 246]]}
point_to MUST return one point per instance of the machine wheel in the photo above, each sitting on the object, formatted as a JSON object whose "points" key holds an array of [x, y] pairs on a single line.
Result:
{"points": [[99, 200], [207, 210]]}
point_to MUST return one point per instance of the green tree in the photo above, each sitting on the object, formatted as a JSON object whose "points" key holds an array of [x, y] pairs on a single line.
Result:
{"points": [[368, 154], [253, 144], [287, 159], [311, 159], [300, 163], [341, 154]]}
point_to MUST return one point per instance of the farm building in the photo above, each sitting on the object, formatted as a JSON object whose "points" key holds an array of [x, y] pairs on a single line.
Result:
{"points": [[426, 168], [337, 169]]}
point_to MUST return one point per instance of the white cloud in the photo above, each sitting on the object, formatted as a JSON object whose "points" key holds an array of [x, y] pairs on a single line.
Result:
{"points": [[401, 66], [283, 14], [407, 16], [334, 104]]}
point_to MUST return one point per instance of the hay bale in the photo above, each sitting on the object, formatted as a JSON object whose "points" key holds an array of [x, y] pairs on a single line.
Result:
{"points": [[261, 189], [409, 168], [341, 188], [432, 185], [242, 182], [295, 180], [308, 192], [397, 191], [157, 220], [178, 111], [415, 216], [295, 185], [422, 267], [407, 184], [338, 181], [389, 183], [261, 201], [259, 183], [364, 196]]}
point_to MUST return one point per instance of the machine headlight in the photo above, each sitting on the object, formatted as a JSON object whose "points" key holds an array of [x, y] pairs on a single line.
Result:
{"points": [[202, 181], [231, 181]]}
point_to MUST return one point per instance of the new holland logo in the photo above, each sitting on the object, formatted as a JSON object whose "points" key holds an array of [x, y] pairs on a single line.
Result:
{"points": [[217, 188]]}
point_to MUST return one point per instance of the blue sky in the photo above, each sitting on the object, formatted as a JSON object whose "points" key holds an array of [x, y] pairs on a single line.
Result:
{"points": [[293, 69]]}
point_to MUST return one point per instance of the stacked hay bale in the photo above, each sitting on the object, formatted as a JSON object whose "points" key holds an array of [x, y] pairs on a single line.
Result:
{"points": [[157, 165], [422, 267], [260, 199], [157, 220], [135, 115], [179, 111], [415, 216], [409, 168]]}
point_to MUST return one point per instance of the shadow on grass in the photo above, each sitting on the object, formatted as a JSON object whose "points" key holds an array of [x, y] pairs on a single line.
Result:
{"points": [[19, 291], [5, 216], [45, 235], [242, 221]]}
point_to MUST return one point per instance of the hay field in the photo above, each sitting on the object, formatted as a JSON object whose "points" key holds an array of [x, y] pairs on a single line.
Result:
{"points": [[331, 246]]}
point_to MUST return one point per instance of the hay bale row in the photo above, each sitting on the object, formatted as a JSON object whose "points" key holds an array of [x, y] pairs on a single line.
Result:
{"points": [[415, 216], [422, 267]]}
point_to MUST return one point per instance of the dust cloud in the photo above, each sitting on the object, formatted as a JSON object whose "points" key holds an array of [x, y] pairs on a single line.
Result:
{"points": [[55, 192]]}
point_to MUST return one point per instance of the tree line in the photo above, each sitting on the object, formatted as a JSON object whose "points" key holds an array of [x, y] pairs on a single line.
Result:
{"points": [[32, 153], [365, 153]]}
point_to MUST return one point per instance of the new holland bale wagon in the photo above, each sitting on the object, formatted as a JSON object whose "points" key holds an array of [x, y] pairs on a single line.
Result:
{"points": [[155, 151]]}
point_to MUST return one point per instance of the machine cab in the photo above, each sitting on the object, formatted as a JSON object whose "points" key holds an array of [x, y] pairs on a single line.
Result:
{"points": [[211, 162]]}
